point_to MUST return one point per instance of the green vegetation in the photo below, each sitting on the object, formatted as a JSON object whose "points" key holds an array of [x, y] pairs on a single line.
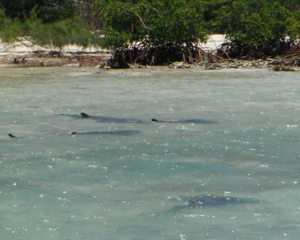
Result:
{"points": [[155, 22], [160, 25], [255, 22], [47, 10], [58, 33], [46, 22]]}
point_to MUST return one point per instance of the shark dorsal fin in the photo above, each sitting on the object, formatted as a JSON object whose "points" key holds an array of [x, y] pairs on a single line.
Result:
{"points": [[154, 120], [84, 115]]}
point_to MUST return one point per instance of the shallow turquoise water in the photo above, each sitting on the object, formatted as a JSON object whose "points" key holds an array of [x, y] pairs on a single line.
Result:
{"points": [[57, 186]]}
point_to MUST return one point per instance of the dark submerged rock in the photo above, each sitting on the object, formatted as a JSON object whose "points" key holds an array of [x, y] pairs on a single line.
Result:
{"points": [[284, 69]]}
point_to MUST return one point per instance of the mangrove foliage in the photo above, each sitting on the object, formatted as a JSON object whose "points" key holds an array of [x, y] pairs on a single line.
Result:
{"points": [[157, 31]]}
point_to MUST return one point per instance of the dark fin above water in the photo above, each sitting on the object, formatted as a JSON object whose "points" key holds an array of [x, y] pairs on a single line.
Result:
{"points": [[84, 115], [12, 136], [154, 120]]}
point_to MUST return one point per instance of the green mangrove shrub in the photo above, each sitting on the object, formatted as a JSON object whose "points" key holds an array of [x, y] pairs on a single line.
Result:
{"points": [[255, 22], [154, 22]]}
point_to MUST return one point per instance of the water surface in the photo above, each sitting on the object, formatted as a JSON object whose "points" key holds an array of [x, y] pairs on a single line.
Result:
{"points": [[54, 185]]}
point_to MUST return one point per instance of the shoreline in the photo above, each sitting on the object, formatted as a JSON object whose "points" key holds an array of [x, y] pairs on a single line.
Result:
{"points": [[100, 59], [25, 53], [53, 58]]}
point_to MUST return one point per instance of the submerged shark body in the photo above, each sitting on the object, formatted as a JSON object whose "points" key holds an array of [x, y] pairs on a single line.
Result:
{"points": [[111, 119], [201, 201], [104, 119], [202, 121], [134, 120], [121, 133]]}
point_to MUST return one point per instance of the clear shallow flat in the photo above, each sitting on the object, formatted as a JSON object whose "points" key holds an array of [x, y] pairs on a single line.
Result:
{"points": [[54, 185]]}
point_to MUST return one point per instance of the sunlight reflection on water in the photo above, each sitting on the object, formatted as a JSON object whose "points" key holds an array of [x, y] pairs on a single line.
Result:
{"points": [[55, 185]]}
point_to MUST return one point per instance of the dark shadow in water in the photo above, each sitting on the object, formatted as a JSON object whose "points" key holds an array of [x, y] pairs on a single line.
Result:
{"points": [[122, 132], [202, 121], [105, 119], [134, 120], [202, 201]]}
